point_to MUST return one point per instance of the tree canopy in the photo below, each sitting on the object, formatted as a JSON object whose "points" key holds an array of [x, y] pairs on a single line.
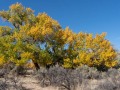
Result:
{"points": [[41, 39]]}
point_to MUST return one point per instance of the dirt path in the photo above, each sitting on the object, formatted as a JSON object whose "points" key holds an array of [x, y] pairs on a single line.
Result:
{"points": [[30, 83]]}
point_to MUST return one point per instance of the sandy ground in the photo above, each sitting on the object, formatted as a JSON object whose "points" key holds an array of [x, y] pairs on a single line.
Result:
{"points": [[30, 83]]}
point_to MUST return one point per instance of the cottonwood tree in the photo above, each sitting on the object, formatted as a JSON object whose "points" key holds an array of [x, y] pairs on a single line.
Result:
{"points": [[41, 39]]}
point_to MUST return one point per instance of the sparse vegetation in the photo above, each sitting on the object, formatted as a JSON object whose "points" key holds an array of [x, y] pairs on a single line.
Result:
{"points": [[71, 79], [9, 81]]}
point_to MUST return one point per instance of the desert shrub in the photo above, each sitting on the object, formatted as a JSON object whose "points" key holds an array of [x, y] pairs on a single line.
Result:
{"points": [[66, 78], [20, 70], [11, 68], [71, 79], [5, 70], [88, 72], [111, 80], [112, 72], [2, 72], [3, 85], [106, 86], [109, 84], [10, 82], [59, 77]]}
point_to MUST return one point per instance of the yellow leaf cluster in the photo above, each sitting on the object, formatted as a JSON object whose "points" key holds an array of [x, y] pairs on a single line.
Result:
{"points": [[2, 60], [26, 55], [67, 63], [69, 36], [44, 26], [95, 51], [16, 7]]}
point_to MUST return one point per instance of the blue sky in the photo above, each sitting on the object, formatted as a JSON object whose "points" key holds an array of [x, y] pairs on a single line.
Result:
{"points": [[91, 16]]}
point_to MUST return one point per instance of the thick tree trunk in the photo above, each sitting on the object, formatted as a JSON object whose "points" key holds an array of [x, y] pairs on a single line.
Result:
{"points": [[37, 67]]}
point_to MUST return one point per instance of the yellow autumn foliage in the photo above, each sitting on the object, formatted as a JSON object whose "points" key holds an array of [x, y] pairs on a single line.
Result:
{"points": [[2, 60], [30, 65], [95, 51], [41, 39]]}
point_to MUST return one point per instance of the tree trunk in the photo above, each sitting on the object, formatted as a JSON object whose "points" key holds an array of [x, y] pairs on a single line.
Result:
{"points": [[37, 67]]}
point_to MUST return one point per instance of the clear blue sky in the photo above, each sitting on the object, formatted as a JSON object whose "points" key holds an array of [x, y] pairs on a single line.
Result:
{"points": [[91, 16]]}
